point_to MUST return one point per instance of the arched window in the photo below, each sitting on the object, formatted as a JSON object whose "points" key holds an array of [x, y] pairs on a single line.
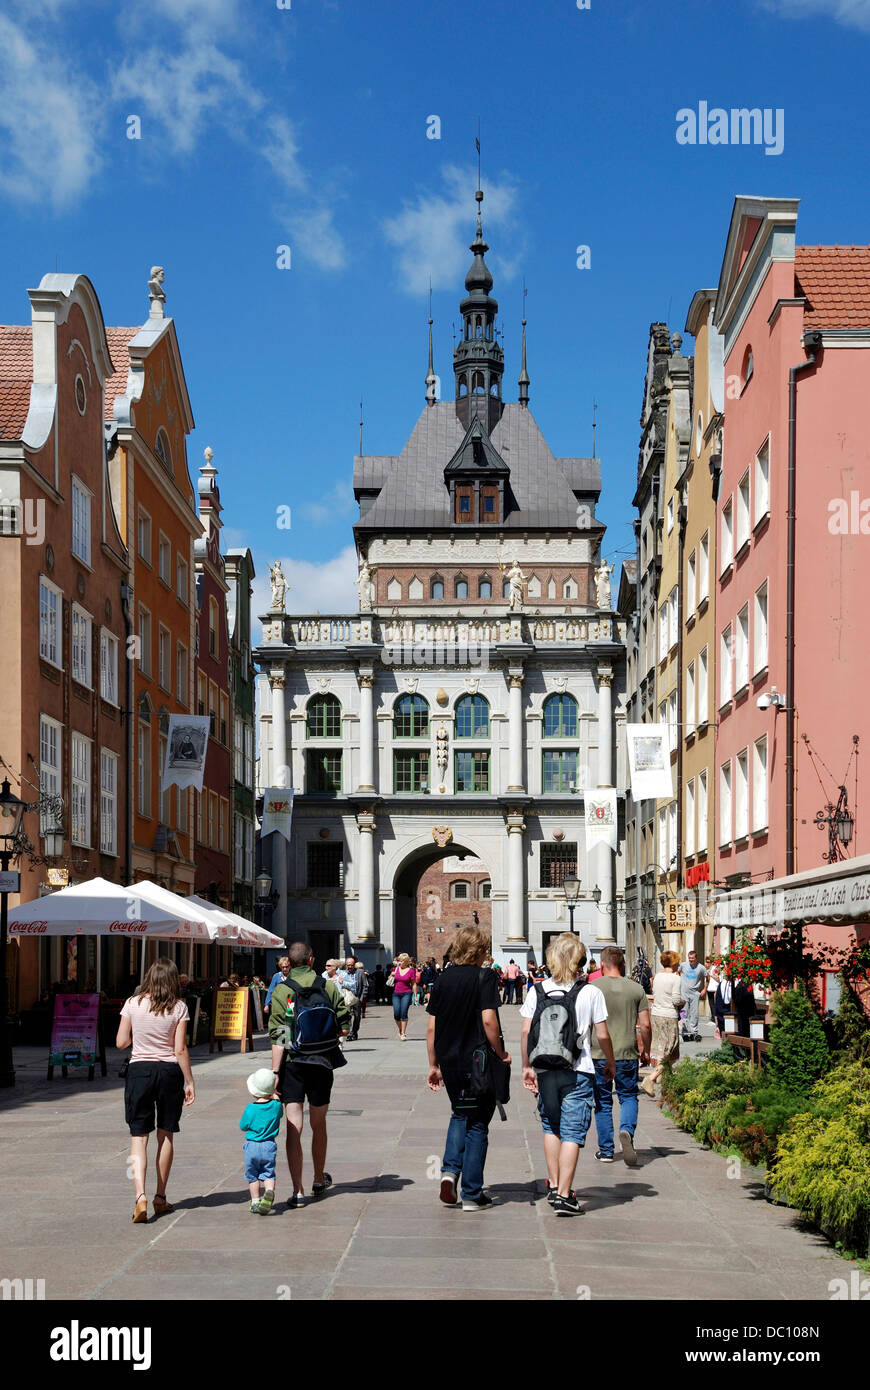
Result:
{"points": [[461, 588], [489, 332], [560, 716], [506, 589], [472, 717], [410, 717], [323, 717], [477, 386], [484, 588], [460, 891], [493, 390], [162, 449], [437, 588], [463, 385]]}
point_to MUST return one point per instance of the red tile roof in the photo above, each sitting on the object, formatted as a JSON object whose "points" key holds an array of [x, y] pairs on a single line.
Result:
{"points": [[836, 283], [16, 374], [118, 340]]}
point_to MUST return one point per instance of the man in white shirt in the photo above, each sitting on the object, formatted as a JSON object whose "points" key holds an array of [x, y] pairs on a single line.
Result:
{"points": [[557, 1062], [694, 990]]}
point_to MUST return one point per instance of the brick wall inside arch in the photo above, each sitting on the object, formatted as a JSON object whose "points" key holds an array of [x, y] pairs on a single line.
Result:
{"points": [[437, 908]]}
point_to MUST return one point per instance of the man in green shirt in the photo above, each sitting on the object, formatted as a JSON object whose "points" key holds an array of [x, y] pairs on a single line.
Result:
{"points": [[298, 1079], [628, 1022]]}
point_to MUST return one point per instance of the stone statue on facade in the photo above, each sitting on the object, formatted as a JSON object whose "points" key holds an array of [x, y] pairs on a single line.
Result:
{"points": [[279, 586], [602, 586], [516, 579], [364, 583], [156, 292]]}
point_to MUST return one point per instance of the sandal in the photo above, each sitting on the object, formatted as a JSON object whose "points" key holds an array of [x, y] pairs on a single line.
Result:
{"points": [[161, 1206], [141, 1212]]}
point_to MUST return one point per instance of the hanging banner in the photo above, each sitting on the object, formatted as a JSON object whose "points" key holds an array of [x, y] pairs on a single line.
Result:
{"points": [[186, 747], [649, 761], [600, 817], [277, 811]]}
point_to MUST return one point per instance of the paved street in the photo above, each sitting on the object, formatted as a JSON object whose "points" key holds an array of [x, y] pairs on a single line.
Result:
{"points": [[678, 1226]]}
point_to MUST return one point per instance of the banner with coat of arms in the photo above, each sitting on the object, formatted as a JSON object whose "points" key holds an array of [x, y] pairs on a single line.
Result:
{"points": [[277, 811], [600, 817], [186, 747]]}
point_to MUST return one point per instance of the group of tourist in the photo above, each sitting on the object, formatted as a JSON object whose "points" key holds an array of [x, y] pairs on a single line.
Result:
{"points": [[582, 1037]]}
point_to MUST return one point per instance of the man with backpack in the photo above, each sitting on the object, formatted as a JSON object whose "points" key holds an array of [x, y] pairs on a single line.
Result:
{"points": [[308, 1018], [558, 1017], [463, 1034]]}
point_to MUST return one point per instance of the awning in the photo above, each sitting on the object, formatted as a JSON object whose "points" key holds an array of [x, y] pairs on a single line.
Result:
{"points": [[836, 893]]}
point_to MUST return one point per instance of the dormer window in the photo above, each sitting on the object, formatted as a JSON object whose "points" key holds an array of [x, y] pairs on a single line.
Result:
{"points": [[465, 504]]}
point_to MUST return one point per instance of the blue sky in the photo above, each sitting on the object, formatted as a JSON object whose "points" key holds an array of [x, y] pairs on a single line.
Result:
{"points": [[264, 127]]}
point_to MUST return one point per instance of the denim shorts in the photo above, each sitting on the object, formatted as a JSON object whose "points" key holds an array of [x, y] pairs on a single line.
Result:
{"points": [[260, 1157], [570, 1096]]}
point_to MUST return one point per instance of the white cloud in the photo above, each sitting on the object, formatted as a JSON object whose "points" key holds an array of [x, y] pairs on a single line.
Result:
{"points": [[50, 113], [180, 90], [853, 13], [339, 501], [310, 220], [327, 587], [433, 233]]}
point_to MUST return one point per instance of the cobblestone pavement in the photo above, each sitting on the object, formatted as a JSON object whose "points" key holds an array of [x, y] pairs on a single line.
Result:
{"points": [[677, 1226]]}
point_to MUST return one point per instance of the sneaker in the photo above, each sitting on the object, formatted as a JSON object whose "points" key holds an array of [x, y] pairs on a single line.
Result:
{"points": [[254, 1207], [696, 1037], [297, 1200], [567, 1206], [553, 1193], [448, 1189], [605, 1158], [318, 1188], [481, 1203], [629, 1153], [265, 1204]]}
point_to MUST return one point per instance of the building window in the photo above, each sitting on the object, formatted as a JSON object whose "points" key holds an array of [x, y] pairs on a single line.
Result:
{"points": [[702, 812], [472, 771], [200, 817], [484, 891], [465, 504], [691, 585], [164, 793], [225, 720], [558, 862], [560, 716], [690, 721], [670, 514], [472, 717], [108, 667], [569, 589], [704, 569], [461, 588], [410, 717], [238, 751], [143, 540], [249, 755], [212, 819], [108, 802], [725, 804], [144, 641], [690, 817], [743, 511], [324, 770], [181, 673], [663, 632], [325, 866], [143, 760], [759, 650], [164, 658], [323, 717], [762, 483], [49, 621], [506, 589], [759, 785], [49, 766], [213, 640], [410, 771], [673, 625], [81, 522], [741, 677], [741, 796], [182, 580], [80, 789], [200, 693], [223, 823], [238, 846], [437, 588], [484, 589], [725, 671], [672, 837], [164, 559], [162, 449], [703, 689], [560, 769], [489, 504], [727, 554], [460, 891], [81, 646]]}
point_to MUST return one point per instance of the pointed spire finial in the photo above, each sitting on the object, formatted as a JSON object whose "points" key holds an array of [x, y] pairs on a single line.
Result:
{"points": [[524, 375], [431, 379]]}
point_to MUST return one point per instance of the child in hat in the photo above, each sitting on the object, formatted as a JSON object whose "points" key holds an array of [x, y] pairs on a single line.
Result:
{"points": [[261, 1121]]}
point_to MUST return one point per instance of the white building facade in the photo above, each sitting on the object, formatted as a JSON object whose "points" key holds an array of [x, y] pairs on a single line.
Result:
{"points": [[474, 697]]}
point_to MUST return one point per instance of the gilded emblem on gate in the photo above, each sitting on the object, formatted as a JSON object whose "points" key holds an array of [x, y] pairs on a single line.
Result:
{"points": [[442, 835]]}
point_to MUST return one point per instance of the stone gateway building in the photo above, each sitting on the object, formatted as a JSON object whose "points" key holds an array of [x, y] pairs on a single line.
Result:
{"points": [[472, 700]]}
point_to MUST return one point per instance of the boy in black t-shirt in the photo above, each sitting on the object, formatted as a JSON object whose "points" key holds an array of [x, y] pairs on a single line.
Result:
{"points": [[463, 1009]]}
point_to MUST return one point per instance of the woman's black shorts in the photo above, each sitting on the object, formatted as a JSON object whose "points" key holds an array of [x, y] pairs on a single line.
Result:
{"points": [[154, 1086]]}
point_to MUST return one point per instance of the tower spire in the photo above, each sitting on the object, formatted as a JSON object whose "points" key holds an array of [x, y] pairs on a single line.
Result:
{"points": [[478, 358], [431, 379], [524, 375]]}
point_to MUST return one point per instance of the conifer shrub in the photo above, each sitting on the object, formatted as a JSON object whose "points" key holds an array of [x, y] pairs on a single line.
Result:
{"points": [[799, 1052]]}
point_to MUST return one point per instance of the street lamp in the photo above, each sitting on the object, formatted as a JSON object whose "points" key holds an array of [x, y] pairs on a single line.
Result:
{"points": [[571, 889], [840, 825], [264, 886], [11, 814]]}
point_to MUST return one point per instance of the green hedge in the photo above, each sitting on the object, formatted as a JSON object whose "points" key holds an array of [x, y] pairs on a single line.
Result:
{"points": [[730, 1105]]}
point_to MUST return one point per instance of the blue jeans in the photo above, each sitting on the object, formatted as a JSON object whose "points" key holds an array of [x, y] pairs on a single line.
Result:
{"points": [[566, 1100], [626, 1094], [467, 1139], [401, 1005]]}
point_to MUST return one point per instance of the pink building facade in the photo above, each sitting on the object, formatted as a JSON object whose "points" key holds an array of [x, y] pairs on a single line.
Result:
{"points": [[782, 307]]}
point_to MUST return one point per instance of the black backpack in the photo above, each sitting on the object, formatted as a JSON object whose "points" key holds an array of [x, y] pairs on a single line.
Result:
{"points": [[554, 1041], [315, 1029]]}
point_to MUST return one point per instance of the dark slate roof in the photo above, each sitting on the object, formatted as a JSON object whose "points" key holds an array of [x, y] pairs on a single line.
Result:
{"points": [[476, 453], [413, 493]]}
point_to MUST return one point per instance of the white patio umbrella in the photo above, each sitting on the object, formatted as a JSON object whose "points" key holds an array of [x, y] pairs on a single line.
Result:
{"points": [[239, 930], [96, 908], [194, 923]]}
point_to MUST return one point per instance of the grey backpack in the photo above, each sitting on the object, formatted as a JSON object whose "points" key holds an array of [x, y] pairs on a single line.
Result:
{"points": [[554, 1042]]}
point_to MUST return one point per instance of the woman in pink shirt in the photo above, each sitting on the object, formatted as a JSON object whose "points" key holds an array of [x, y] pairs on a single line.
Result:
{"points": [[404, 977], [159, 1076]]}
